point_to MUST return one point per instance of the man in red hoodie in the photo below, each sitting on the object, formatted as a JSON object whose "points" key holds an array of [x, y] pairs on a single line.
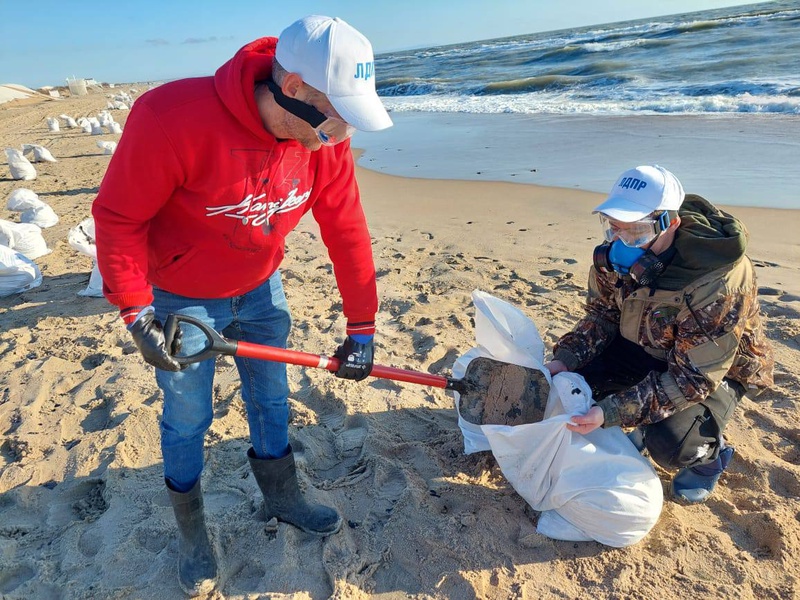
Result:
{"points": [[210, 176]]}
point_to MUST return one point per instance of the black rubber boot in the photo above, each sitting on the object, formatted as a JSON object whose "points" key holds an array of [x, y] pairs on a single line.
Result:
{"points": [[277, 479], [197, 565]]}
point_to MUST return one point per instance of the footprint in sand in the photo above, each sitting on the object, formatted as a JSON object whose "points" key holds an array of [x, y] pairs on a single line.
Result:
{"points": [[99, 417], [13, 577], [91, 504], [152, 539], [350, 440], [390, 484], [334, 450], [90, 543]]}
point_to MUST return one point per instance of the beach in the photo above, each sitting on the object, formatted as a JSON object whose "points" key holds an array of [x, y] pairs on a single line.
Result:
{"points": [[84, 512]]}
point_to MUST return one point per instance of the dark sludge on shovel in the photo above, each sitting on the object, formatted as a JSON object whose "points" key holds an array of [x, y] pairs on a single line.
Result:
{"points": [[491, 391]]}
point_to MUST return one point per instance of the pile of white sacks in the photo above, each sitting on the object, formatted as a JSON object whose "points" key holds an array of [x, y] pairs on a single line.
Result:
{"points": [[22, 243]]}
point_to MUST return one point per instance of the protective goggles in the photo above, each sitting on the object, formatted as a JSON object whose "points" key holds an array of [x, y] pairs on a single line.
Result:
{"points": [[330, 130], [636, 234]]}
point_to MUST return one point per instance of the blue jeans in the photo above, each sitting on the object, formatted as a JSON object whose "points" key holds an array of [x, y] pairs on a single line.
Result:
{"points": [[260, 316]]}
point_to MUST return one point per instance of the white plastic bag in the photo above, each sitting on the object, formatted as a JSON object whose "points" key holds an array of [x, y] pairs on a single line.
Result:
{"points": [[108, 147], [17, 273], [25, 238], [31, 208], [81, 238], [40, 153], [52, 124], [69, 122], [503, 333], [43, 216], [23, 199], [95, 287], [20, 167], [593, 487]]}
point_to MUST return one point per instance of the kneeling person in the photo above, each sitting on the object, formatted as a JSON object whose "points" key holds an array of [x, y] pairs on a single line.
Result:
{"points": [[673, 337]]}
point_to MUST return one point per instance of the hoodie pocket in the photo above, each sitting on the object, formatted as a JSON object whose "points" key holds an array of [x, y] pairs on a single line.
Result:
{"points": [[177, 261]]}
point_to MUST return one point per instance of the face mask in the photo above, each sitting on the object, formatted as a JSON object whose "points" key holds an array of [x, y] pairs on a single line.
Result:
{"points": [[643, 266], [622, 257], [330, 130]]}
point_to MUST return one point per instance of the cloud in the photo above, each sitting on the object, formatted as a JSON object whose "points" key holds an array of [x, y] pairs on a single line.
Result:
{"points": [[207, 40], [157, 42]]}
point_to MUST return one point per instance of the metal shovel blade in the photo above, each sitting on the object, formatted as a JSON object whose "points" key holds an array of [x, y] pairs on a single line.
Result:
{"points": [[498, 393]]}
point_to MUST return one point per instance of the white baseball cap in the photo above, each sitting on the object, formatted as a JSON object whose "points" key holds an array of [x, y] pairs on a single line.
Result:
{"points": [[641, 191], [337, 60]]}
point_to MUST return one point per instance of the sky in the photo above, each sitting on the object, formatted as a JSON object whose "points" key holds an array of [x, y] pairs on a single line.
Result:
{"points": [[46, 41]]}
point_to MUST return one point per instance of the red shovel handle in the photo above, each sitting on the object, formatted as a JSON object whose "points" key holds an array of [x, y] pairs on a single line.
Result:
{"points": [[217, 344]]}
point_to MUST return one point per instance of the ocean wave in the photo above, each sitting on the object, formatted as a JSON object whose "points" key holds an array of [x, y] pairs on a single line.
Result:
{"points": [[532, 84], [613, 46], [561, 103], [718, 61], [409, 86]]}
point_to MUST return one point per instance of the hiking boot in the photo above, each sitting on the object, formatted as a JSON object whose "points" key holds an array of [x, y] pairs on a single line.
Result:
{"points": [[283, 500], [695, 484], [197, 565]]}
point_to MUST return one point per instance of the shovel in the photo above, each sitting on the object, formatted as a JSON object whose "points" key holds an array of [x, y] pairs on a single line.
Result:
{"points": [[491, 391]]}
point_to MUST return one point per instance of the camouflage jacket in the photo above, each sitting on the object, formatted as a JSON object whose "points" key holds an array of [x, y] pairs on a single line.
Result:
{"points": [[702, 318]]}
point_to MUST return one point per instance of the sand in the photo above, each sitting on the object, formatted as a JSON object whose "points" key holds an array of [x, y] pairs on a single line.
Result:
{"points": [[83, 508]]}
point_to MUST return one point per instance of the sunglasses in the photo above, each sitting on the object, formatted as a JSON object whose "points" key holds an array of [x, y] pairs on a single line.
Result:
{"points": [[330, 130]]}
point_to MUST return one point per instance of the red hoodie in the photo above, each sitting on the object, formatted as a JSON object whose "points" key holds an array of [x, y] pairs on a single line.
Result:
{"points": [[199, 197]]}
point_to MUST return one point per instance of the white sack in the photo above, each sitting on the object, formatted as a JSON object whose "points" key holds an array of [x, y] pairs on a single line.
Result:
{"points": [[52, 124], [115, 127], [17, 273], [593, 487], [69, 122], [23, 199], [43, 216], [108, 147], [7, 236], [86, 127], [95, 287], [40, 153], [97, 129], [25, 238], [81, 238], [104, 117], [20, 167]]}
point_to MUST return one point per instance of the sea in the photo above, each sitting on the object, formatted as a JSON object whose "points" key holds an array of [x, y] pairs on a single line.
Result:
{"points": [[714, 96]]}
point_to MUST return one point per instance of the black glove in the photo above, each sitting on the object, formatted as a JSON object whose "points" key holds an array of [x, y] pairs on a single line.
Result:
{"points": [[148, 335], [356, 359]]}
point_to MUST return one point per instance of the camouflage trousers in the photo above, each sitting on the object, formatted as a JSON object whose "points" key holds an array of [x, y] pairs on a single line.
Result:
{"points": [[689, 438]]}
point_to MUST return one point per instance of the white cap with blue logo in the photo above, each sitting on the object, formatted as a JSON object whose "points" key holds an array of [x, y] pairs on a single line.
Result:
{"points": [[337, 60], [641, 191]]}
